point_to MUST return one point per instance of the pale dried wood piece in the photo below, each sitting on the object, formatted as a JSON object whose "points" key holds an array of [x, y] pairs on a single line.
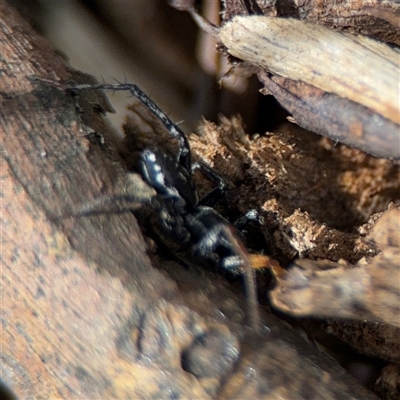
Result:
{"points": [[353, 16], [355, 109], [353, 67]]}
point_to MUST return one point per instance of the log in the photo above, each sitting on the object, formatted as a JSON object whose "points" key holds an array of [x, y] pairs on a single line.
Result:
{"points": [[85, 312]]}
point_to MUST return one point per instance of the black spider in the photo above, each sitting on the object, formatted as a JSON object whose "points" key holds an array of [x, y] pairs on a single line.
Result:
{"points": [[189, 228]]}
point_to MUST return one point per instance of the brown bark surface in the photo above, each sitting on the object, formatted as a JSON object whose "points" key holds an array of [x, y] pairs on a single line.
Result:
{"points": [[84, 312]]}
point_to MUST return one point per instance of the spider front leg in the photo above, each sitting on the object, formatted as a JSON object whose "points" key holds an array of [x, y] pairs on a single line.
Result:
{"points": [[211, 198], [184, 156]]}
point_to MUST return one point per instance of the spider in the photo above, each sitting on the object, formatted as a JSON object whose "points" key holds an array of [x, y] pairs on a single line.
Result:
{"points": [[191, 229]]}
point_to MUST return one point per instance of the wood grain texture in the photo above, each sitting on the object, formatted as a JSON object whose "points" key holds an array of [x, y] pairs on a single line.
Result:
{"points": [[336, 84], [332, 116], [353, 16], [352, 67], [84, 313]]}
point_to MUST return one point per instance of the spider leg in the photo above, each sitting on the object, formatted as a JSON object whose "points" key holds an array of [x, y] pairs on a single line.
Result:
{"points": [[186, 228], [174, 130], [211, 198], [215, 239]]}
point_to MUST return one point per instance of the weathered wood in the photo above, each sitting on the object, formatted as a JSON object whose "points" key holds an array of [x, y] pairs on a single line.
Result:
{"points": [[319, 75], [328, 60], [369, 290], [84, 313], [331, 62], [353, 16], [312, 195], [332, 116]]}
